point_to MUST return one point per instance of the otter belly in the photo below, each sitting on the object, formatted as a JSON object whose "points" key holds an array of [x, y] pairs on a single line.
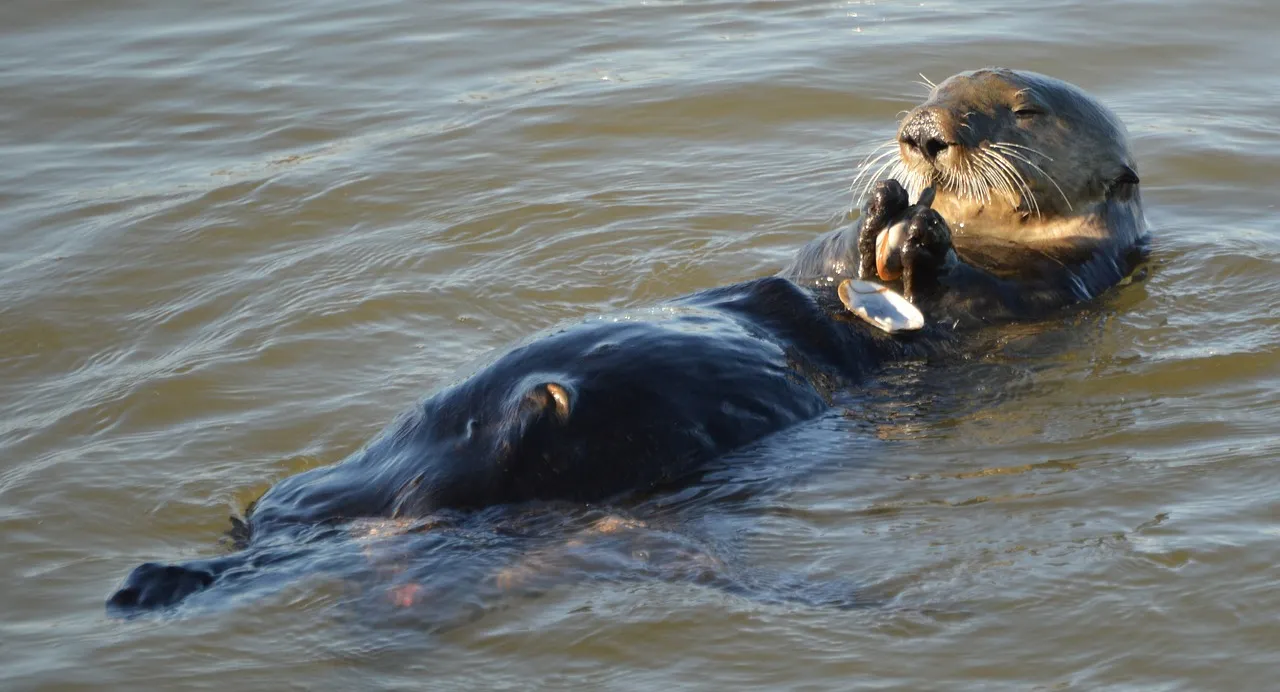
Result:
{"points": [[619, 403]]}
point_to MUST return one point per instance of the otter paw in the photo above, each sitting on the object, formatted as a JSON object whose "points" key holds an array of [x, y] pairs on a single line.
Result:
{"points": [[152, 586], [887, 202], [925, 253]]}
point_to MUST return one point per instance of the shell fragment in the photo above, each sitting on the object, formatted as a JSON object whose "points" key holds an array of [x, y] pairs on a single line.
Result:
{"points": [[881, 306]]}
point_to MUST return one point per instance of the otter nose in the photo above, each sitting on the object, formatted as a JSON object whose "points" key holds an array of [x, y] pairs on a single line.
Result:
{"points": [[924, 133], [930, 148]]}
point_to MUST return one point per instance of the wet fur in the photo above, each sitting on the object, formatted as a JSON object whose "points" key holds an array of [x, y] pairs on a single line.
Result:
{"points": [[636, 402], [651, 397]]}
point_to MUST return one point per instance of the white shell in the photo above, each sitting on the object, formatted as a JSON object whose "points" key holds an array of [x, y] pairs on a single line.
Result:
{"points": [[880, 305]]}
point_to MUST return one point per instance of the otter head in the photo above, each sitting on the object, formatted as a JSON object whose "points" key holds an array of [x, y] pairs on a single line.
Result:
{"points": [[1008, 151]]}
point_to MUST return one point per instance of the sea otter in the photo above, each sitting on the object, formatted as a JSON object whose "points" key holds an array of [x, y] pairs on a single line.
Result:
{"points": [[1035, 202], [1035, 205]]}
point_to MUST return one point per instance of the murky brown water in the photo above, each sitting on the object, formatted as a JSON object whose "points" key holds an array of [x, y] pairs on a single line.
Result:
{"points": [[239, 237]]}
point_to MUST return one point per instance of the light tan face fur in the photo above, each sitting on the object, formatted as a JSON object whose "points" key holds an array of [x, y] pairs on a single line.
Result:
{"points": [[1021, 156]]}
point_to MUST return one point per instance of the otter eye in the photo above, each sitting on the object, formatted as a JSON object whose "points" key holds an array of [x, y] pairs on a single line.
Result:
{"points": [[1026, 112]]}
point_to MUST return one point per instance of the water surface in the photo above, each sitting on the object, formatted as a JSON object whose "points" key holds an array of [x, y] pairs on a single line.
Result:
{"points": [[240, 237]]}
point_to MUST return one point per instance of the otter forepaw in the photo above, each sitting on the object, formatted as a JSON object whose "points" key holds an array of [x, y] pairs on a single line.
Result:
{"points": [[886, 204], [152, 586], [925, 254]]}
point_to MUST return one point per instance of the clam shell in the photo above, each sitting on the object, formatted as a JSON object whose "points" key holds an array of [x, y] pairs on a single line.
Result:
{"points": [[889, 242], [889, 251], [881, 306]]}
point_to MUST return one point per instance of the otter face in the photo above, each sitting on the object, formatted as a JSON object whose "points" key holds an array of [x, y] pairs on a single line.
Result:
{"points": [[1009, 148]]}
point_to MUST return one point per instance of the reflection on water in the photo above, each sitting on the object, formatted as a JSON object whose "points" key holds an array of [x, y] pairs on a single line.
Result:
{"points": [[239, 239]]}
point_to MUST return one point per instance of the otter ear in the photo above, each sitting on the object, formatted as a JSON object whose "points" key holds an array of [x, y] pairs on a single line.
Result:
{"points": [[548, 399], [1122, 185]]}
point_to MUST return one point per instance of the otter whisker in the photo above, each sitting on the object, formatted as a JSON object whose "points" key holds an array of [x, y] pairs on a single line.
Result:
{"points": [[1004, 183], [1042, 172], [891, 164], [1001, 160], [877, 154], [887, 170], [866, 169], [990, 178], [951, 182], [914, 181], [983, 182], [974, 182], [955, 177], [1032, 150], [927, 81], [876, 149], [1011, 183], [1034, 206], [988, 187]]}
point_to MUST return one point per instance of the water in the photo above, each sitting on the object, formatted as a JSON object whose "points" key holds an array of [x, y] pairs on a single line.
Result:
{"points": [[239, 237]]}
